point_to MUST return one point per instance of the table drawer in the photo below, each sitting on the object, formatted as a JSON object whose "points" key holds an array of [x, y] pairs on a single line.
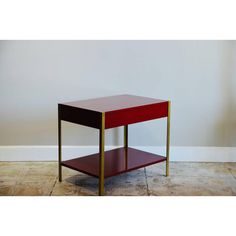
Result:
{"points": [[136, 114]]}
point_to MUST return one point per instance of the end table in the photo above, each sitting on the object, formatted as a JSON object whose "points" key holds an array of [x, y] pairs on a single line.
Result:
{"points": [[110, 112]]}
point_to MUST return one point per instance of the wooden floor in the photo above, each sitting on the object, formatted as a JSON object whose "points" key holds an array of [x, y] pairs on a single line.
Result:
{"points": [[186, 179]]}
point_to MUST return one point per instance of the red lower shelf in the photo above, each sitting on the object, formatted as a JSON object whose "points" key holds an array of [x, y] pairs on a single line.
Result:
{"points": [[116, 162]]}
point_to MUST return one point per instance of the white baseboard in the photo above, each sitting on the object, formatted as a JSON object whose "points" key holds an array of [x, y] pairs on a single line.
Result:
{"points": [[49, 153]]}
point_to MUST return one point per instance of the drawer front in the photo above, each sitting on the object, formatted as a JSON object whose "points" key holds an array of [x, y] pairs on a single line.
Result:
{"points": [[135, 115]]}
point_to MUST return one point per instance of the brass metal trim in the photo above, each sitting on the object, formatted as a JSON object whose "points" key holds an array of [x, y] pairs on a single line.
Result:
{"points": [[168, 140], [101, 151], [59, 151], [126, 145], [126, 136]]}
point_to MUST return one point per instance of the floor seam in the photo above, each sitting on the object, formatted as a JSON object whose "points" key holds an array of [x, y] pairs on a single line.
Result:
{"points": [[231, 173], [145, 173], [50, 194]]}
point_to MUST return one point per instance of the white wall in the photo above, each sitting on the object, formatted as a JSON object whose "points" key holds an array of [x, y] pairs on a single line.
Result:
{"points": [[199, 77]]}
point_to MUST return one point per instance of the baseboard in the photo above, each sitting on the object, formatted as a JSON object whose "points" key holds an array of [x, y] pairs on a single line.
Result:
{"points": [[177, 153]]}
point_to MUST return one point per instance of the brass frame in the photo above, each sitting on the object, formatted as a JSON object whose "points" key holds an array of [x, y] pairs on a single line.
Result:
{"points": [[59, 151], [126, 145], [101, 152], [126, 136], [168, 141], [102, 148]]}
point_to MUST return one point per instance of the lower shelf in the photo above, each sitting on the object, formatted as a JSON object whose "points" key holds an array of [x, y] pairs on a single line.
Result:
{"points": [[117, 161]]}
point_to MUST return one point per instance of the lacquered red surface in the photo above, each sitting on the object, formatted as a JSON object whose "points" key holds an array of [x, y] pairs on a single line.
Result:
{"points": [[114, 161], [119, 110], [79, 116], [135, 114], [113, 103]]}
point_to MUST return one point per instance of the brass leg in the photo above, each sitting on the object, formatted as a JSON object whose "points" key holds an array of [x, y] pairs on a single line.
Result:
{"points": [[168, 140], [59, 150], [126, 136], [101, 151], [126, 145]]}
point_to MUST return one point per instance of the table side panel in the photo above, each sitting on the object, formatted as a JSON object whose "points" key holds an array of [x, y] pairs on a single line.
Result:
{"points": [[135, 114], [80, 116]]}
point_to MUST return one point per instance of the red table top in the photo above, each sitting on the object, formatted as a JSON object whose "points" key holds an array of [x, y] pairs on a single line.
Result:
{"points": [[119, 110], [112, 103]]}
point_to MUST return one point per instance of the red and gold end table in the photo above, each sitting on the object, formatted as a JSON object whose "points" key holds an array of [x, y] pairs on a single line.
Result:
{"points": [[110, 112]]}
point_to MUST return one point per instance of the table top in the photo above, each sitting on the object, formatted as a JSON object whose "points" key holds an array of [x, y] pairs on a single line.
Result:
{"points": [[112, 103]]}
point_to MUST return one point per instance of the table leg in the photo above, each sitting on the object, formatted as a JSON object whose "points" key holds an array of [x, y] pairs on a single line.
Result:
{"points": [[101, 151], [168, 140], [126, 145], [59, 150], [126, 136]]}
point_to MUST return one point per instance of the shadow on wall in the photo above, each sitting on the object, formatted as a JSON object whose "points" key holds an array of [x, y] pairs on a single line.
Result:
{"points": [[226, 129]]}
